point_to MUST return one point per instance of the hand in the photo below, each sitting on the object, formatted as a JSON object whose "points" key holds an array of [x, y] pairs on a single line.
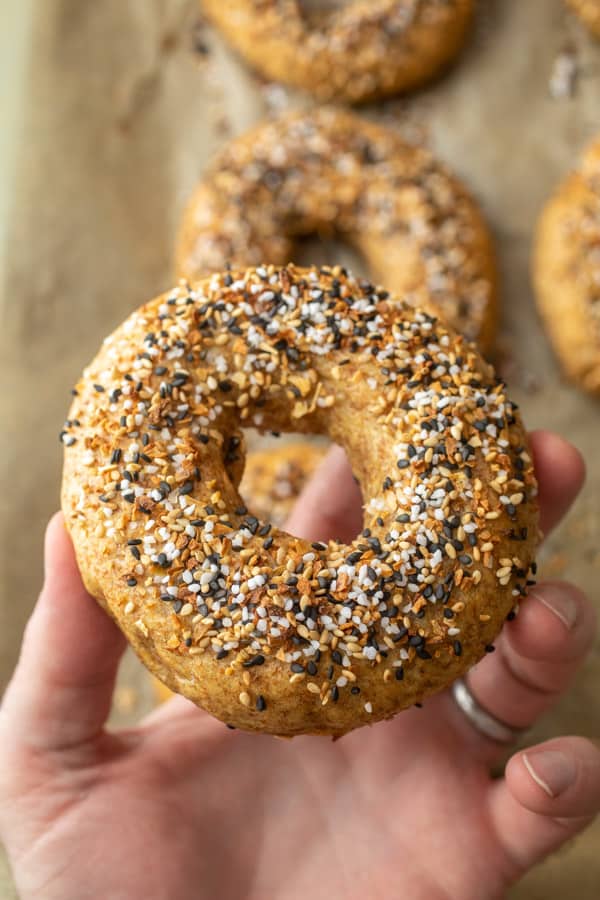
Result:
{"points": [[180, 807]]}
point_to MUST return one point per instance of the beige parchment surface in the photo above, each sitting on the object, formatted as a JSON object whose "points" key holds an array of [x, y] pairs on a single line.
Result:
{"points": [[120, 116]]}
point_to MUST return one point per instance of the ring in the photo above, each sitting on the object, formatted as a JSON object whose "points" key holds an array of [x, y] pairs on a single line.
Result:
{"points": [[483, 721]]}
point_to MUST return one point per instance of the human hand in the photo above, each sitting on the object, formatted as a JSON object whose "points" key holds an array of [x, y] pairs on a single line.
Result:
{"points": [[180, 807]]}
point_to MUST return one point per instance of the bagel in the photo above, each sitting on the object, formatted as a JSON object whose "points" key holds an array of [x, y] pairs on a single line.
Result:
{"points": [[273, 480], [264, 630], [331, 172], [365, 51], [589, 12], [566, 271]]}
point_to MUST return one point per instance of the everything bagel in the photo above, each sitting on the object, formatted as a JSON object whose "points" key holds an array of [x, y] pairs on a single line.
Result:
{"points": [[366, 50], [273, 480], [333, 173], [266, 631], [566, 271]]}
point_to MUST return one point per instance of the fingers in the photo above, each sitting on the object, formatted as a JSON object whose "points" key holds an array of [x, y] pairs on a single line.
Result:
{"points": [[172, 708], [550, 792], [560, 470], [330, 506], [536, 657], [61, 691]]}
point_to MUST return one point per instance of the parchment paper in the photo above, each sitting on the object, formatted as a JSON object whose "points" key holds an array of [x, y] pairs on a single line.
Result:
{"points": [[124, 104]]}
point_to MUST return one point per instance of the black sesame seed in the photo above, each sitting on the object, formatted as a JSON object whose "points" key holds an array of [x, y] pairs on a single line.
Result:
{"points": [[257, 660], [261, 704]]}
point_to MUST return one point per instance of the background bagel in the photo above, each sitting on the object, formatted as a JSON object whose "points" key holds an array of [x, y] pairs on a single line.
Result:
{"points": [[366, 50], [566, 271], [332, 172], [266, 631], [274, 477], [589, 12]]}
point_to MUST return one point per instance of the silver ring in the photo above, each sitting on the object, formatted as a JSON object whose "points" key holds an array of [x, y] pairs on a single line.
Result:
{"points": [[481, 720]]}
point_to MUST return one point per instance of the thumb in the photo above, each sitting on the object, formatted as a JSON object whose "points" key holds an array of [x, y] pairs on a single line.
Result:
{"points": [[61, 691], [330, 506]]}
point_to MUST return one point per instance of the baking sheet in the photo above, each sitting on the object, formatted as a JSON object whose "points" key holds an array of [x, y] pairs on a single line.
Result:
{"points": [[124, 105]]}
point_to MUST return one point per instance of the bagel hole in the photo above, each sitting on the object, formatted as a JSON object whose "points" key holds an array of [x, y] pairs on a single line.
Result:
{"points": [[285, 482], [323, 251]]}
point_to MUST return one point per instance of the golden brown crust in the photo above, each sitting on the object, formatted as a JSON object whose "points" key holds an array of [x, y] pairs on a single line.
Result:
{"points": [[367, 50], [273, 480], [331, 172], [263, 630], [566, 271], [589, 12]]}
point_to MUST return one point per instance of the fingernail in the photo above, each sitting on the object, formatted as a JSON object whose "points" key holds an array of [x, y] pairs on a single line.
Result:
{"points": [[560, 602], [551, 770]]}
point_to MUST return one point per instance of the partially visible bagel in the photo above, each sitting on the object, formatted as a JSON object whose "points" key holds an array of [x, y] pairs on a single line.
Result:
{"points": [[367, 50], [589, 12], [266, 631], [566, 271], [275, 476], [334, 173]]}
